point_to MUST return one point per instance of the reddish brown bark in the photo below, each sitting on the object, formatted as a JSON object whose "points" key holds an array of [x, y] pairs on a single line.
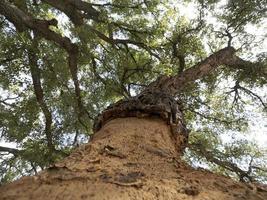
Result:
{"points": [[129, 158]]}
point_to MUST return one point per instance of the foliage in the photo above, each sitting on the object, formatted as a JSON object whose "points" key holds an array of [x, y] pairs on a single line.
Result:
{"points": [[122, 47]]}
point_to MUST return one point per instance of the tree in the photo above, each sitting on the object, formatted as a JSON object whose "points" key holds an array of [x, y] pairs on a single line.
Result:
{"points": [[164, 77]]}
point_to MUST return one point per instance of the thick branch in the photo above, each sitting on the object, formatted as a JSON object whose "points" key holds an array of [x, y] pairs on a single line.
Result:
{"points": [[9, 150], [178, 82], [172, 85], [136, 6], [74, 15], [181, 63], [23, 21], [72, 9], [38, 90]]}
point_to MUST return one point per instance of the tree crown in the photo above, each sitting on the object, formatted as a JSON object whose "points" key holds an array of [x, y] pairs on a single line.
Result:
{"points": [[63, 62]]}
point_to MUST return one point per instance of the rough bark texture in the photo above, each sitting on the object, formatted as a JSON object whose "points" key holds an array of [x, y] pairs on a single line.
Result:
{"points": [[129, 158], [150, 103]]}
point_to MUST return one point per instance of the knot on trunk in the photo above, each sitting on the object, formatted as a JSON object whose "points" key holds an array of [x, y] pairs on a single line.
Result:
{"points": [[149, 103]]}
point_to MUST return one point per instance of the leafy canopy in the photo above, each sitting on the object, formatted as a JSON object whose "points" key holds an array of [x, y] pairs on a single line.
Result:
{"points": [[57, 75]]}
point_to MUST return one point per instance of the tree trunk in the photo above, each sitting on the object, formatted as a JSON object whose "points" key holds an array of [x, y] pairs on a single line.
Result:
{"points": [[129, 158]]}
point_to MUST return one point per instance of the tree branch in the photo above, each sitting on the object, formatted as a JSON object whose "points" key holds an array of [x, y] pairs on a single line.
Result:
{"points": [[113, 41], [24, 21], [209, 117], [38, 90], [237, 96], [224, 57], [72, 9], [136, 6], [172, 85], [253, 95], [13, 151], [211, 157]]}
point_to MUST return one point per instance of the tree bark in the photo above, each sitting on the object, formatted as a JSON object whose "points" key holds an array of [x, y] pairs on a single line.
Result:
{"points": [[129, 158]]}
